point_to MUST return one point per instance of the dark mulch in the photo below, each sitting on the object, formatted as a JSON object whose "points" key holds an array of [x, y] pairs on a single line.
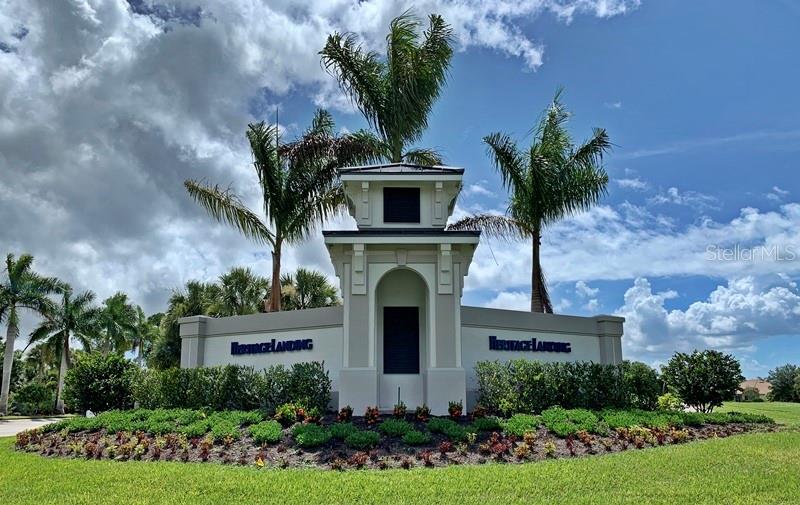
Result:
{"points": [[390, 453]]}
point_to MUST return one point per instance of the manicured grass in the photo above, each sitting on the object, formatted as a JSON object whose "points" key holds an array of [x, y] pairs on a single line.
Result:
{"points": [[781, 412], [757, 468]]}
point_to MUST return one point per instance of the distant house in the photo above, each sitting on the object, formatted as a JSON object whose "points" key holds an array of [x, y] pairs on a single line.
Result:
{"points": [[749, 387]]}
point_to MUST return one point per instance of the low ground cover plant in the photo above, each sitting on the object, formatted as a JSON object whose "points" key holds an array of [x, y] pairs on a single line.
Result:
{"points": [[517, 425], [395, 427], [310, 435], [448, 428], [362, 440], [488, 423], [267, 432], [416, 437]]}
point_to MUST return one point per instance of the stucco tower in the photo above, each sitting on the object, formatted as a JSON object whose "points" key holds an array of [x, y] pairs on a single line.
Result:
{"points": [[401, 276]]}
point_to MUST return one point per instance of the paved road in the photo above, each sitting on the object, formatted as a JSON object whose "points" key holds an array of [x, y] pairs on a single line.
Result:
{"points": [[10, 427]]}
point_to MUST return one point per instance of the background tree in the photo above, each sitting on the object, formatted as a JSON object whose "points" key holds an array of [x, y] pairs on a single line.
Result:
{"points": [[783, 379], [308, 289], [241, 292], [116, 323], [194, 299], [299, 188], [395, 94], [703, 379], [145, 332], [550, 180], [21, 289], [74, 317]]}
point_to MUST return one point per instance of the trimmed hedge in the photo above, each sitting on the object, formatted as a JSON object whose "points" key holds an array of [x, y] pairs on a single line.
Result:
{"points": [[522, 386], [98, 383], [234, 387]]}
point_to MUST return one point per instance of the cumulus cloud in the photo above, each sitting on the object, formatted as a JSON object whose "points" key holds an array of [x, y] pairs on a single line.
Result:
{"points": [[628, 241], [733, 318], [633, 183], [106, 106], [693, 199]]}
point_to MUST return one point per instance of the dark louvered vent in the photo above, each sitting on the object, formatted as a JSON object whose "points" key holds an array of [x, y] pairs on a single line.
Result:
{"points": [[401, 340], [401, 205]]}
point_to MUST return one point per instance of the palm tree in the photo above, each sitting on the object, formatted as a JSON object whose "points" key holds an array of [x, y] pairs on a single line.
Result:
{"points": [[194, 300], [308, 289], [73, 318], [117, 322], [299, 188], [395, 95], [145, 332], [22, 289], [552, 179], [240, 292]]}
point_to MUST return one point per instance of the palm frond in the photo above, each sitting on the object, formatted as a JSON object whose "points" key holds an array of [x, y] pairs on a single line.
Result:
{"points": [[224, 206], [492, 225], [508, 160], [423, 156]]}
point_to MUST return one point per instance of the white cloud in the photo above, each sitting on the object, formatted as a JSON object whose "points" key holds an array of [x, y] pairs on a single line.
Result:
{"points": [[613, 105], [777, 194], [633, 183], [687, 198], [478, 188], [511, 300], [734, 318], [585, 291], [629, 241]]}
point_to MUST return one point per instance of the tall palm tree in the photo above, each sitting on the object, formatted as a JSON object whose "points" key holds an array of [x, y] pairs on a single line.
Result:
{"points": [[195, 299], [73, 318], [554, 178], [299, 188], [240, 292], [117, 322], [145, 332], [308, 289], [395, 94], [22, 289]]}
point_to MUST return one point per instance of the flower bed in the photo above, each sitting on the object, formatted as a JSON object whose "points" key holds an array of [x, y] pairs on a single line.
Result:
{"points": [[247, 438]]}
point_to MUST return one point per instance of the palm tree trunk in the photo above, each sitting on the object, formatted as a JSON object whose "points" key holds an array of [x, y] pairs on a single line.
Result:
{"points": [[8, 361], [62, 372], [275, 290], [540, 300]]}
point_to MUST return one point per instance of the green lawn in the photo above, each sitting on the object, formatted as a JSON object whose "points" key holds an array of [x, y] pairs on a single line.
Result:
{"points": [[781, 412], [756, 468]]}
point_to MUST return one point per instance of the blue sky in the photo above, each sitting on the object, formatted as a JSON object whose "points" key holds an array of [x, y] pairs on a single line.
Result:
{"points": [[700, 99]]}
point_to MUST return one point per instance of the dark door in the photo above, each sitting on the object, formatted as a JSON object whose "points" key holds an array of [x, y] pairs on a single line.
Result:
{"points": [[401, 340]]}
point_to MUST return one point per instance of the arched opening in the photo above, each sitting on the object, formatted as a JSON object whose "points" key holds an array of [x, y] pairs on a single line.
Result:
{"points": [[401, 305]]}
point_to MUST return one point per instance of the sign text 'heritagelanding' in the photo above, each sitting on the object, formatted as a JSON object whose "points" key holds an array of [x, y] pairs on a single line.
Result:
{"points": [[532, 345], [306, 344]]}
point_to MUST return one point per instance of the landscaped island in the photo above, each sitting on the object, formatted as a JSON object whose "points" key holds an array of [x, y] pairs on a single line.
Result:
{"points": [[402, 440]]}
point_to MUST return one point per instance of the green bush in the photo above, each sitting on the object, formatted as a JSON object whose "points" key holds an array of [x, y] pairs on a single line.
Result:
{"points": [[565, 422], [529, 386], [362, 440], [703, 379], [33, 398], [415, 437], [98, 383], [310, 435], [518, 424], [488, 423], [223, 429], [234, 387], [286, 414], [195, 429], [448, 428], [395, 427], [669, 402], [267, 432], [340, 431]]}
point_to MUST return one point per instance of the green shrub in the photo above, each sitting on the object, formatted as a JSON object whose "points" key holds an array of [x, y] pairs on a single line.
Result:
{"points": [[395, 427], [530, 386], [310, 385], [565, 422], [362, 440], [518, 424], [195, 429], [310, 435], [286, 414], [692, 418], [224, 429], [97, 383], [340, 431], [703, 379], [267, 432], [488, 423], [669, 402], [448, 428], [33, 398], [415, 437]]}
